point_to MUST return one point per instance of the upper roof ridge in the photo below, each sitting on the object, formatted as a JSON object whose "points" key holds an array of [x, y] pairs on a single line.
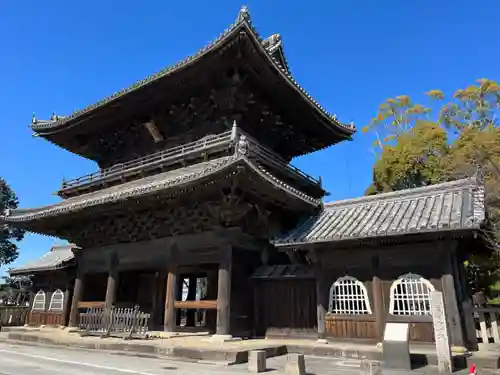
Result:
{"points": [[243, 20]]}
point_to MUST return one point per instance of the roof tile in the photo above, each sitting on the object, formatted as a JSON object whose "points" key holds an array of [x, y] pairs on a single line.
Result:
{"points": [[448, 206], [56, 258]]}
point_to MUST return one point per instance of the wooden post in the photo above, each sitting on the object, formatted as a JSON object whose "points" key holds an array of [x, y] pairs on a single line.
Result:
{"points": [[224, 293], [211, 315], [321, 302], [450, 296], [378, 304], [77, 292], [112, 281], [169, 320], [191, 296]]}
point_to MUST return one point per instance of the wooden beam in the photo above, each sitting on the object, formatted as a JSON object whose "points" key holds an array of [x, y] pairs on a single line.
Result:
{"points": [[154, 131], [91, 304], [205, 304]]}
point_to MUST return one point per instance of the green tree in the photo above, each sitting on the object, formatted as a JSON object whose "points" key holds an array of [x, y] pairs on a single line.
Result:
{"points": [[462, 139], [16, 290], [8, 235], [409, 146], [472, 115]]}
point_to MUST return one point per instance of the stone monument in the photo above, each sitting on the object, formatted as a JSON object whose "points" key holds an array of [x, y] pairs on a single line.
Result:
{"points": [[396, 347], [441, 332]]}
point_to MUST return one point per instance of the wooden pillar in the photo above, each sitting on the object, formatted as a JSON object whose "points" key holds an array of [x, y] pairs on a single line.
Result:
{"points": [[157, 302], [179, 291], [211, 315], [224, 293], [66, 307], [378, 303], [169, 320], [450, 296], [77, 291], [112, 281], [191, 296], [321, 301], [466, 307]]}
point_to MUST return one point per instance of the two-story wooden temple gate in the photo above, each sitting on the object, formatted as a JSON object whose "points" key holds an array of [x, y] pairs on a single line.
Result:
{"points": [[195, 181]]}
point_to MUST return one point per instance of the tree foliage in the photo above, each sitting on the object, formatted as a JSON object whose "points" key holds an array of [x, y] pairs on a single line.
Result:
{"points": [[418, 147], [8, 235], [413, 160], [16, 290]]}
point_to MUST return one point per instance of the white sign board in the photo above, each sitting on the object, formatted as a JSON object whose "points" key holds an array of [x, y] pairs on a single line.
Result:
{"points": [[441, 334], [396, 332]]}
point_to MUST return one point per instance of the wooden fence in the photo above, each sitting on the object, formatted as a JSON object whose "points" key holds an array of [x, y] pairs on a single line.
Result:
{"points": [[487, 322], [126, 322], [13, 315]]}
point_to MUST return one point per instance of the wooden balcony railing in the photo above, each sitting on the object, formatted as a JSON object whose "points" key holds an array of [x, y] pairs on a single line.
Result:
{"points": [[266, 155], [164, 157], [208, 145]]}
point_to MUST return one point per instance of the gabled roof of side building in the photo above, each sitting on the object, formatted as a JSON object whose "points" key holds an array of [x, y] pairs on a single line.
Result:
{"points": [[450, 206], [59, 257]]}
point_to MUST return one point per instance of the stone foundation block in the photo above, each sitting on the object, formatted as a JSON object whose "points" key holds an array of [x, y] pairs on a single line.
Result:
{"points": [[257, 361], [370, 368], [295, 364]]}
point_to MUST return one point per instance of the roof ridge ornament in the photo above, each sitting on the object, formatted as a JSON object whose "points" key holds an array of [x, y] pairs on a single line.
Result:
{"points": [[243, 14], [53, 118]]}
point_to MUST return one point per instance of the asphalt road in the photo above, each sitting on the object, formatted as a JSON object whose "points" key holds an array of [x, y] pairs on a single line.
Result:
{"points": [[17, 359], [37, 360]]}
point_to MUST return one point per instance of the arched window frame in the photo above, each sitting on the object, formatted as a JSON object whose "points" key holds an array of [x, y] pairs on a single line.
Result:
{"points": [[352, 290], [419, 303], [39, 301], [60, 294]]}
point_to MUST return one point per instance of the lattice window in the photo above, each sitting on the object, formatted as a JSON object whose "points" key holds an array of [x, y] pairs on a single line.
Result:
{"points": [[39, 301], [410, 295], [57, 301], [348, 296]]}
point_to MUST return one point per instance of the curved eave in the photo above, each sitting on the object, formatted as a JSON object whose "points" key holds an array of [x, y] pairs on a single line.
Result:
{"points": [[380, 237], [79, 117], [327, 119], [222, 167], [30, 271]]}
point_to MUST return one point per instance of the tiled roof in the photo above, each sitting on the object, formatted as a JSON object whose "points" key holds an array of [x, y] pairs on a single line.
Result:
{"points": [[243, 23], [58, 257], [151, 184], [443, 207]]}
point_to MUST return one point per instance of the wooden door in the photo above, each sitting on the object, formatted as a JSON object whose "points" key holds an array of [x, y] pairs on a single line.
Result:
{"points": [[285, 307]]}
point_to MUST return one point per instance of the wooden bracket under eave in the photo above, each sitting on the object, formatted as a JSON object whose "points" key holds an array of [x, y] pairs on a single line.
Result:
{"points": [[153, 130]]}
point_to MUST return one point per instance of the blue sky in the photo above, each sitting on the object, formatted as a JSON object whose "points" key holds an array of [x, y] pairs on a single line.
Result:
{"points": [[350, 55]]}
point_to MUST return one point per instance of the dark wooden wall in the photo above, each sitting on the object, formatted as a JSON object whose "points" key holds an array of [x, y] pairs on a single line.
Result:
{"points": [[285, 307]]}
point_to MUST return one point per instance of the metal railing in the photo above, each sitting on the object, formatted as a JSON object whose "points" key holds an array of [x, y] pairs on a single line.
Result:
{"points": [[127, 322]]}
